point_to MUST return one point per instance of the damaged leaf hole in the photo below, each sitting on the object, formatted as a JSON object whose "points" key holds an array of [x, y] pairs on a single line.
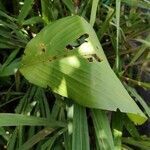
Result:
{"points": [[43, 50], [78, 42], [42, 47], [57, 57], [94, 57]]}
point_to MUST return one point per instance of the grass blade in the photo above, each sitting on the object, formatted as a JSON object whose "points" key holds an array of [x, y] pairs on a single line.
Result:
{"points": [[12, 140], [25, 10], [117, 127], [36, 138], [8, 119], [140, 51], [80, 139], [49, 143], [69, 5], [139, 99], [118, 5], [102, 130], [33, 20], [106, 23], [93, 12]]}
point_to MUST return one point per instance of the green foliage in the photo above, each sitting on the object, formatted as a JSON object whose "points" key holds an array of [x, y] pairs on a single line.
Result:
{"points": [[53, 44], [58, 67]]}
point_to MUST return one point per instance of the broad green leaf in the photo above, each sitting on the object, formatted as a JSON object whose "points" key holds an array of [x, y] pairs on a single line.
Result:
{"points": [[80, 137], [80, 72], [7, 119]]}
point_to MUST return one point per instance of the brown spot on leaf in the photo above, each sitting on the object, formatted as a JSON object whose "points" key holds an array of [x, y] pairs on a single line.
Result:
{"points": [[43, 50], [69, 47], [90, 59], [42, 47], [96, 58], [54, 57]]}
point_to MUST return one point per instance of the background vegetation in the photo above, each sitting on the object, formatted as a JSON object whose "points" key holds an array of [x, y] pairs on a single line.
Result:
{"points": [[35, 118]]}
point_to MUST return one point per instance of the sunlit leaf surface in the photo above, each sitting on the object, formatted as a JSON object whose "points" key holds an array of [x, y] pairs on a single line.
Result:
{"points": [[67, 57]]}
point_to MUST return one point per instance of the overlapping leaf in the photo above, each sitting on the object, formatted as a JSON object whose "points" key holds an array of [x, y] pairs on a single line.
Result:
{"points": [[67, 57]]}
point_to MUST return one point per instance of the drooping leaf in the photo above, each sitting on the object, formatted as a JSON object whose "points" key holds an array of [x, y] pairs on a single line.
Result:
{"points": [[67, 56]]}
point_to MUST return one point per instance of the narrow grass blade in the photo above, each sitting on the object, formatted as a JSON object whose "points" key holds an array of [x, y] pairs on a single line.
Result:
{"points": [[11, 57], [45, 11], [8, 119], [143, 145], [2, 13], [131, 127], [26, 98], [49, 143], [140, 51], [33, 20], [25, 10], [12, 140], [93, 12], [138, 83], [106, 23], [139, 99], [67, 140], [36, 138], [147, 43], [3, 133], [118, 5], [102, 130], [117, 127], [45, 103], [10, 69], [80, 139], [138, 3], [69, 5]]}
